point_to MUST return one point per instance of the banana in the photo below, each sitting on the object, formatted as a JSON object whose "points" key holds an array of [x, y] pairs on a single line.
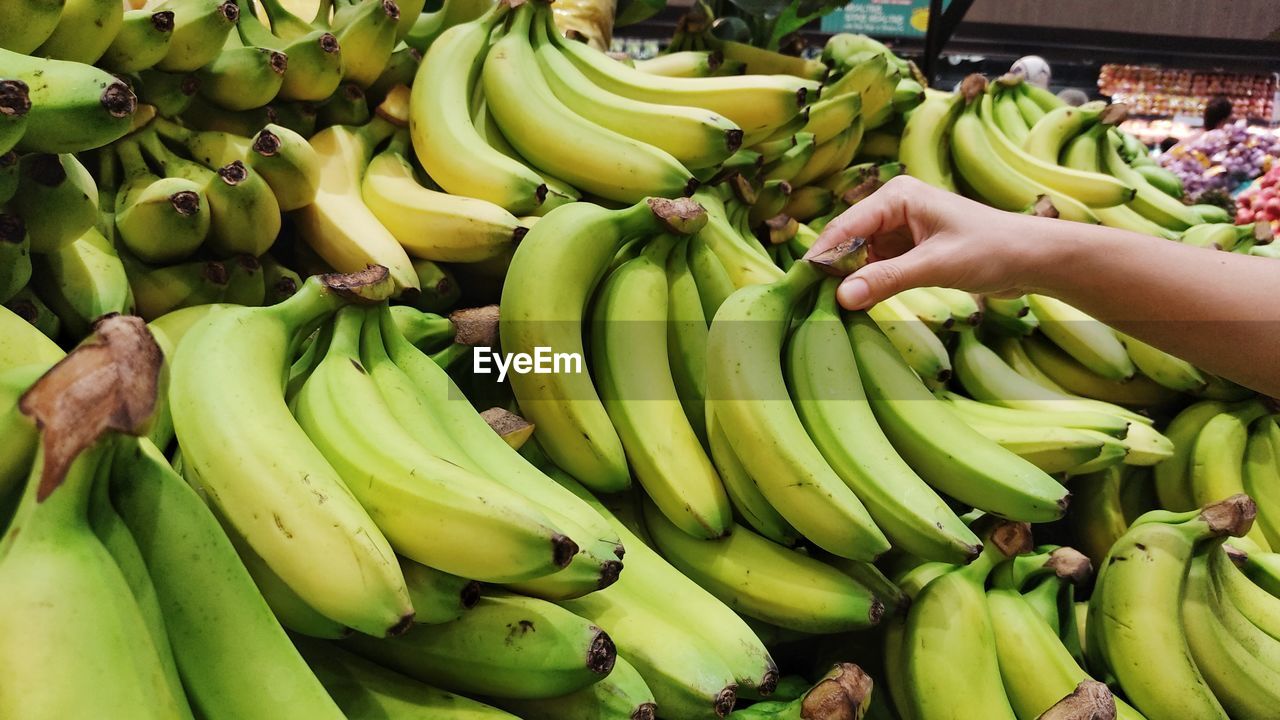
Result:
{"points": [[28, 308], [338, 225], [623, 695], [1092, 188], [1219, 236], [401, 69], [366, 31], [158, 291], [1172, 478], [827, 390], [1073, 377], [747, 391], [315, 57], [694, 137], [25, 25], [543, 304], [362, 689], [142, 42], [687, 341], [9, 162], [1035, 666], [558, 192], [758, 104], [636, 387], [487, 650], [288, 164], [243, 77], [980, 412], [748, 501], [1135, 625], [919, 347], [245, 283], [57, 198], [766, 581], [438, 597], [875, 80], [1097, 517], [82, 282], [963, 306], [1090, 342], [989, 174], [740, 257], [200, 29], [907, 95], [1054, 449], [1010, 316], [175, 94], [422, 399], [1239, 662], [1251, 600], [831, 116], [948, 645], [601, 161], [1169, 371], [244, 214], [988, 378], [520, 543], [347, 106], [20, 449], [159, 219], [685, 64], [63, 588], [85, 30], [15, 256], [430, 224], [947, 453], [832, 156], [726, 639], [710, 275], [1006, 117], [1262, 475], [1162, 179], [1216, 463], [1049, 136], [1148, 201], [444, 137], [927, 308], [246, 411]]}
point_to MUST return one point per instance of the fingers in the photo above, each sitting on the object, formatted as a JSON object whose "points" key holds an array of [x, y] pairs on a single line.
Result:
{"points": [[885, 209], [880, 280]]}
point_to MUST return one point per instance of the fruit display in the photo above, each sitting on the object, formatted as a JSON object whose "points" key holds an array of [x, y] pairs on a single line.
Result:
{"points": [[1164, 91], [1223, 160], [1259, 202], [371, 362]]}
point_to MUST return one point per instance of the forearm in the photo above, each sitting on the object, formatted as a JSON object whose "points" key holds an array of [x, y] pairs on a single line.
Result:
{"points": [[1218, 310]]}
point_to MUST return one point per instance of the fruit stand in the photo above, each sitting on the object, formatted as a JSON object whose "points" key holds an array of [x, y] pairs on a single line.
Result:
{"points": [[406, 360]]}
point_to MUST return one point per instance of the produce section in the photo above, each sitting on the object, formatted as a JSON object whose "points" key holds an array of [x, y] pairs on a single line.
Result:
{"points": [[252, 465]]}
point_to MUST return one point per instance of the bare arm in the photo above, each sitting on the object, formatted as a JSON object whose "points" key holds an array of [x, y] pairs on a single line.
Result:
{"points": [[1217, 310]]}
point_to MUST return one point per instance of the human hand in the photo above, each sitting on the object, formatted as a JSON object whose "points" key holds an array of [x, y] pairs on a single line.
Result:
{"points": [[922, 236]]}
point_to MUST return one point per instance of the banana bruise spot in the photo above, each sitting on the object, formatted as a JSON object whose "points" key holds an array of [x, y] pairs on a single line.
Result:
{"points": [[106, 384], [118, 100], [15, 99], [602, 654]]}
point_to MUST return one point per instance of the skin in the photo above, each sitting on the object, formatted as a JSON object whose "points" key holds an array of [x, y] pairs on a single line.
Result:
{"points": [[1217, 310]]}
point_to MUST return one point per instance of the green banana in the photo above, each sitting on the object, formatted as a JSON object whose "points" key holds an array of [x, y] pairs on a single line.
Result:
{"points": [[1169, 371], [315, 57], [57, 198], [1071, 376], [20, 449], [1216, 463], [24, 25], [914, 341], [158, 291], [623, 695], [142, 42], [15, 256], [28, 308], [1262, 475], [243, 77], [548, 285], [82, 282], [85, 30], [158, 219], [948, 454], [1090, 342], [200, 29], [1148, 201]]}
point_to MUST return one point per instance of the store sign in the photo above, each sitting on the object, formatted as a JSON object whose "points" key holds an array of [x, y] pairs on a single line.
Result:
{"points": [[885, 18]]}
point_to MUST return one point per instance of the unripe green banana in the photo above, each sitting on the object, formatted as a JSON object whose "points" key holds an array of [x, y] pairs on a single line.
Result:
{"points": [[172, 94], [315, 57], [243, 77], [58, 199], [15, 256], [9, 163], [401, 69], [160, 220], [26, 24], [83, 281], [347, 106], [367, 33], [623, 695], [28, 308], [254, 674], [200, 29], [73, 106], [362, 689], [142, 42], [245, 286], [85, 30], [159, 291], [487, 650], [19, 449]]}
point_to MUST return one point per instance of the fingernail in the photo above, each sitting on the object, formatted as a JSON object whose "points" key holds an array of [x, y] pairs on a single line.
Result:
{"points": [[854, 293]]}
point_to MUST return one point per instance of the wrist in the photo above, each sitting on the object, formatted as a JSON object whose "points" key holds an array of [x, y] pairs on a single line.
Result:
{"points": [[1058, 255]]}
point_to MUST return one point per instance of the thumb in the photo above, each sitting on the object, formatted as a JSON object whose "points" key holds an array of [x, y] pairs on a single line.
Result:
{"points": [[883, 279]]}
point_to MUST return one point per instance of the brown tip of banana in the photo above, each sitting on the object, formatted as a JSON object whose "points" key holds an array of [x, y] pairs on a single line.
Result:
{"points": [[610, 571], [725, 700], [189, 86], [1091, 700], [15, 98], [769, 681], [391, 9], [185, 203], [470, 595], [1262, 233], [602, 654], [402, 625], [842, 258], [329, 44], [119, 100], [477, 327], [876, 611], [229, 11], [1070, 565], [1237, 556], [1012, 537], [681, 216], [742, 188], [233, 173], [162, 21], [266, 143], [563, 548], [1231, 517], [278, 62], [108, 383], [215, 272], [12, 228], [1044, 207], [1114, 114], [972, 87], [841, 695], [733, 139], [645, 711], [944, 375], [46, 170], [619, 551]]}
